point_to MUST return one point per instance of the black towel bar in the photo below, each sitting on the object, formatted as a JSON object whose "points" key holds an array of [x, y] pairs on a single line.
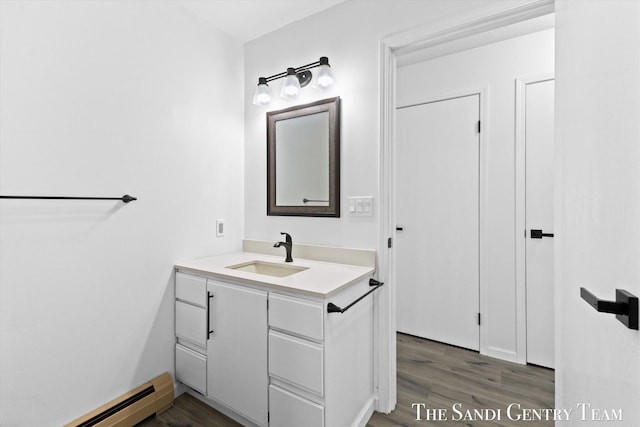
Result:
{"points": [[125, 199], [332, 308]]}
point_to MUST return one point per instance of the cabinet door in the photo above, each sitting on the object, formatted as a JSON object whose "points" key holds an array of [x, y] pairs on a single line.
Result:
{"points": [[191, 323], [191, 289], [296, 361], [237, 350], [288, 409], [191, 368], [296, 315]]}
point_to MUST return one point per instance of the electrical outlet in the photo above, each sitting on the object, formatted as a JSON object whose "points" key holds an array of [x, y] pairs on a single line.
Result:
{"points": [[219, 227]]}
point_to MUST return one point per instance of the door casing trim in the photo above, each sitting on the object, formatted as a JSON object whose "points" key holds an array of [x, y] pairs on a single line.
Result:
{"points": [[520, 208], [491, 17]]}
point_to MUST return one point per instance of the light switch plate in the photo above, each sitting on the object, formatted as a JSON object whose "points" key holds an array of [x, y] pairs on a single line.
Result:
{"points": [[361, 206]]}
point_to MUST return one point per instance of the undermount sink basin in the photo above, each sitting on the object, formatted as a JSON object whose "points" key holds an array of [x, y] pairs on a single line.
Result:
{"points": [[267, 268]]}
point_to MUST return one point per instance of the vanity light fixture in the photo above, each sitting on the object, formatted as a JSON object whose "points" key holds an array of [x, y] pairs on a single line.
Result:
{"points": [[295, 79]]}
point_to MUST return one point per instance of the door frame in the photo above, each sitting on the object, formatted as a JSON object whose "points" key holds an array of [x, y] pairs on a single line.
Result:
{"points": [[493, 16], [483, 95], [520, 207]]}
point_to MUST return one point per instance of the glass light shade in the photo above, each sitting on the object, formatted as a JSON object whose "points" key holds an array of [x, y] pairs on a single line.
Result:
{"points": [[262, 95], [291, 85], [324, 76]]}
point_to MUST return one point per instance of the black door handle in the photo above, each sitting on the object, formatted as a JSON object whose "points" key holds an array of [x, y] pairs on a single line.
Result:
{"points": [[625, 307], [399, 228], [538, 234]]}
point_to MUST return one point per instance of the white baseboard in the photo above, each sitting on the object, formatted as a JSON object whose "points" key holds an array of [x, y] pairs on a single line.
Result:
{"points": [[500, 353], [365, 414]]}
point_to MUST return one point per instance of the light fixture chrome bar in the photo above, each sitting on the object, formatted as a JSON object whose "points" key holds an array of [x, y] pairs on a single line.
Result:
{"points": [[291, 88], [308, 66], [276, 76], [301, 68]]}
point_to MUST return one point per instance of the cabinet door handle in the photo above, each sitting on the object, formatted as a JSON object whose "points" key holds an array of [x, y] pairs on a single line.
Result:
{"points": [[209, 330]]}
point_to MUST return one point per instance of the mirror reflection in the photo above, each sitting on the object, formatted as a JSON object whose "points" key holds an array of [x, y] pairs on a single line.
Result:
{"points": [[302, 159]]}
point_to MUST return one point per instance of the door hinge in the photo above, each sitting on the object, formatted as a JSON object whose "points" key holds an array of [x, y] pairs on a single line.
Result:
{"points": [[478, 319], [267, 304], [389, 243], [268, 416], [478, 126]]}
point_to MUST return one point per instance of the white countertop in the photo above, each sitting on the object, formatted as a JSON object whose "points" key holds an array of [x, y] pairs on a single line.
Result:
{"points": [[320, 279]]}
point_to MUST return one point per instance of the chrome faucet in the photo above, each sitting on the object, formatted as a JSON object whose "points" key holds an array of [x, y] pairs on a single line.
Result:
{"points": [[288, 245]]}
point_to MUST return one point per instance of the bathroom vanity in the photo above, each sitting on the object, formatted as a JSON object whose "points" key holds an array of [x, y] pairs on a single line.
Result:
{"points": [[255, 339]]}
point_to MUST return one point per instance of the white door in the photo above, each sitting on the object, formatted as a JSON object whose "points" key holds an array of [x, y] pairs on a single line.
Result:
{"points": [[437, 167], [539, 146], [237, 350]]}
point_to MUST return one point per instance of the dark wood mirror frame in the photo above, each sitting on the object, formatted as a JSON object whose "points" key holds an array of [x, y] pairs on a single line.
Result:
{"points": [[332, 106]]}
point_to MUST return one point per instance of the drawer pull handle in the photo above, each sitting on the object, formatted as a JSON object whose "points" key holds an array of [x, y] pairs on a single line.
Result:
{"points": [[332, 308], [209, 330]]}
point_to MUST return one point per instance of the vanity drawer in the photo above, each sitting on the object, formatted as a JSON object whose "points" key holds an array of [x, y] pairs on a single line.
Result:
{"points": [[296, 361], [296, 315], [191, 368], [191, 289], [191, 323], [286, 410]]}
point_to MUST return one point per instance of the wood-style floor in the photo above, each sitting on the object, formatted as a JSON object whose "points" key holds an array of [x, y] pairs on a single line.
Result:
{"points": [[432, 373], [440, 376], [187, 411]]}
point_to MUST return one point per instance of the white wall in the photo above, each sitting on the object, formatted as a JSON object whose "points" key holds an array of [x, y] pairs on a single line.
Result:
{"points": [[349, 34], [493, 67], [106, 98], [597, 203]]}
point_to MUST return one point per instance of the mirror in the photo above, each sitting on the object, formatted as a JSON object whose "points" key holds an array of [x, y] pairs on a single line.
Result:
{"points": [[303, 160]]}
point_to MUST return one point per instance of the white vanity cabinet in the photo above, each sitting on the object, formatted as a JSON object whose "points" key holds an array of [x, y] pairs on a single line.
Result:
{"points": [[221, 343], [266, 352], [320, 363], [191, 331]]}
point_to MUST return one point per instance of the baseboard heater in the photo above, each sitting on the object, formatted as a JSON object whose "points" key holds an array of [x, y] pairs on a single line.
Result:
{"points": [[132, 407]]}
